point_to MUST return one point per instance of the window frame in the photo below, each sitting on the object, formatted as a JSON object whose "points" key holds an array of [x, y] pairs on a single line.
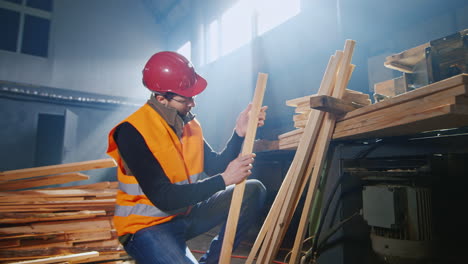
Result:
{"points": [[24, 10]]}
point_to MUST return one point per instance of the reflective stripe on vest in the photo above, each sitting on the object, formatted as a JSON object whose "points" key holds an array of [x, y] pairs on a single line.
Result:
{"points": [[135, 189], [144, 210]]}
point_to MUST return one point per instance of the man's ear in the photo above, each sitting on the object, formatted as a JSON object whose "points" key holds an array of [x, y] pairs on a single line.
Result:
{"points": [[161, 99]]}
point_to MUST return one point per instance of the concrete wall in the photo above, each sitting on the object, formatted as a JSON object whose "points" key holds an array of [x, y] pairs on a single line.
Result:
{"points": [[97, 48], [86, 124]]}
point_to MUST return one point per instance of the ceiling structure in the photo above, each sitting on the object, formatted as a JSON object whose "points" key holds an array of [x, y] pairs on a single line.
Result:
{"points": [[376, 14], [168, 12]]}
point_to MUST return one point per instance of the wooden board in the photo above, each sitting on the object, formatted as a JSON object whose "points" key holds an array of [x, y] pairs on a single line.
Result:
{"points": [[236, 202], [100, 223], [282, 209], [331, 104], [441, 102], [43, 223], [461, 79], [42, 181], [56, 169], [71, 257], [321, 148]]}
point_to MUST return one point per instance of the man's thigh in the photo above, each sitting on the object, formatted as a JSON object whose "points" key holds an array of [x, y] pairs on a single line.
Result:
{"points": [[160, 244]]}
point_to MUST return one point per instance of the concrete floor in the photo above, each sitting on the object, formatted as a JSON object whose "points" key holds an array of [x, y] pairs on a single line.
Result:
{"points": [[201, 243]]}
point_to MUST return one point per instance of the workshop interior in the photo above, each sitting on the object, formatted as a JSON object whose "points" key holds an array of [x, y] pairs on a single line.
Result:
{"points": [[363, 153]]}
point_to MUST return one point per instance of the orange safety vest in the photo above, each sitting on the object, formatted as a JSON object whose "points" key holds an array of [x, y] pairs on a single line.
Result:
{"points": [[181, 160]]}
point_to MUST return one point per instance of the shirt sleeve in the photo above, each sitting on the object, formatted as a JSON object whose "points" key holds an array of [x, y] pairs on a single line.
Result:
{"points": [[216, 162], [151, 177]]}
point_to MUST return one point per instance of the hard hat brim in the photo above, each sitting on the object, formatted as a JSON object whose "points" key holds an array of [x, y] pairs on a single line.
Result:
{"points": [[197, 88]]}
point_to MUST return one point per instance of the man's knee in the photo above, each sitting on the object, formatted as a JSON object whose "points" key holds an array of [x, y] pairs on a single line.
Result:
{"points": [[255, 190]]}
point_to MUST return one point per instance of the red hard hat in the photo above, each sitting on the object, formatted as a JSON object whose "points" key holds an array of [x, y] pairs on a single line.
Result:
{"points": [[169, 71]]}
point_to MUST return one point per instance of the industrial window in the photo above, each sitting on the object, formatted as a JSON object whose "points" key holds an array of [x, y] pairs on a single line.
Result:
{"points": [[278, 12], [235, 27], [25, 26], [9, 23], [213, 41], [45, 5]]}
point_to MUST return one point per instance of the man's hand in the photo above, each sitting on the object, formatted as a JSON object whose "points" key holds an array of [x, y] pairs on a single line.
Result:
{"points": [[243, 119], [238, 169]]}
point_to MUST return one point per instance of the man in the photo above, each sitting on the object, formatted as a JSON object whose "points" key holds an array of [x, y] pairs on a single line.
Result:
{"points": [[165, 195]]}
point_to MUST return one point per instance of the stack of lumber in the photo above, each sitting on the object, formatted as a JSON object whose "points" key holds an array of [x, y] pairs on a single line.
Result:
{"points": [[57, 224], [306, 166], [305, 105], [440, 105]]}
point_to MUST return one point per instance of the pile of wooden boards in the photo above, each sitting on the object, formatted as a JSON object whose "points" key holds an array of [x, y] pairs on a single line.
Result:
{"points": [[305, 105], [440, 105], [64, 224], [306, 166]]}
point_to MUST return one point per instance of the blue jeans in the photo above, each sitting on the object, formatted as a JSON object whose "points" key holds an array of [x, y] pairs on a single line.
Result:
{"points": [[166, 243]]}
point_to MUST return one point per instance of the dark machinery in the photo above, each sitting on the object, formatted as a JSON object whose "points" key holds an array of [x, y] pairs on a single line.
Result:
{"points": [[395, 200]]}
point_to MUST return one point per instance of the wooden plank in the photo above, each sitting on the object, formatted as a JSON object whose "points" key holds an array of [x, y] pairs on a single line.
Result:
{"points": [[351, 95], [297, 101], [300, 124], [303, 108], [73, 235], [32, 200], [406, 108], [271, 218], [300, 117], [291, 139], [321, 147], [236, 202], [56, 169], [108, 206], [263, 240], [291, 133], [72, 257], [41, 181], [303, 154], [461, 79], [18, 218], [289, 146], [101, 243], [11, 255], [59, 193], [391, 88], [446, 116], [9, 243], [78, 237], [359, 98], [331, 104], [33, 246], [98, 186], [401, 114], [99, 223], [102, 258]]}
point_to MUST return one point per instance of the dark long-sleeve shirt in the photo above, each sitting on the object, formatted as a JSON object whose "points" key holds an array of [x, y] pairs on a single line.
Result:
{"points": [[154, 182]]}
